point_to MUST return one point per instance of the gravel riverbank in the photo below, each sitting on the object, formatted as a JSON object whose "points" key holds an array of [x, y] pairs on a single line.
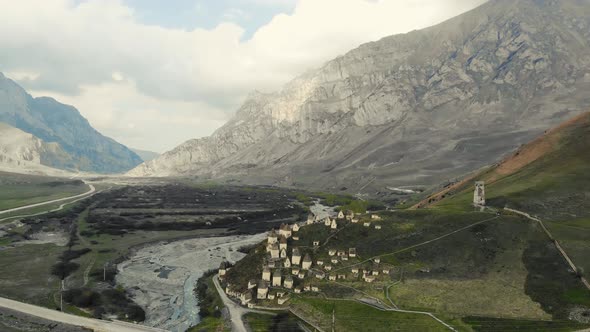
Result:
{"points": [[162, 276]]}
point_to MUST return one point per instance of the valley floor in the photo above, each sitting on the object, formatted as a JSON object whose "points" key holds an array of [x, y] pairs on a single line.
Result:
{"points": [[136, 252]]}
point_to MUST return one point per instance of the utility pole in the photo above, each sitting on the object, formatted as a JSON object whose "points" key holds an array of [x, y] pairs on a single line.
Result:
{"points": [[61, 296], [333, 320]]}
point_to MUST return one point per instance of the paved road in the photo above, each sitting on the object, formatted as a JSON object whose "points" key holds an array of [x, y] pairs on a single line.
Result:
{"points": [[57, 316], [90, 191]]}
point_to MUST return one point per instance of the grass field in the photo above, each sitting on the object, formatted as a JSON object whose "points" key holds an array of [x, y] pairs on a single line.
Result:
{"points": [[574, 236], [272, 323], [353, 316], [488, 324], [19, 190], [8, 217], [26, 274], [479, 270]]}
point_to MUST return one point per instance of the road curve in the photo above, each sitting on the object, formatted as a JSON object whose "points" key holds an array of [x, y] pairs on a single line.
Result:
{"points": [[90, 191], [90, 323], [235, 311]]}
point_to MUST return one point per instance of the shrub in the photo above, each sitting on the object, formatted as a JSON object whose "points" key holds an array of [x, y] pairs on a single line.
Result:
{"points": [[64, 269], [82, 297]]}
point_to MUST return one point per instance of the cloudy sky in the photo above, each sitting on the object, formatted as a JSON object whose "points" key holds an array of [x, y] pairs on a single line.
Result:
{"points": [[154, 73]]}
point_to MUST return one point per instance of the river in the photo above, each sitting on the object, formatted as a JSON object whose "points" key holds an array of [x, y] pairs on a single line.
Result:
{"points": [[162, 277]]}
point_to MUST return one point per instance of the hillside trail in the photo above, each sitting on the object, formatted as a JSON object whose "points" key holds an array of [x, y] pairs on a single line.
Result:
{"points": [[557, 245], [417, 245]]}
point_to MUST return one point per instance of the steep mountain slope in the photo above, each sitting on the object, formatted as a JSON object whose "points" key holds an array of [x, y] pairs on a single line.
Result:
{"points": [[548, 178], [146, 155], [52, 122], [21, 151], [408, 109]]}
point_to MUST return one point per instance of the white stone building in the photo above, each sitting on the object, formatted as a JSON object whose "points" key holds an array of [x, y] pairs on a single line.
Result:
{"points": [[296, 257], [288, 283], [306, 264], [334, 224], [479, 195], [285, 230], [274, 251], [272, 237], [262, 291], [277, 278], [266, 273]]}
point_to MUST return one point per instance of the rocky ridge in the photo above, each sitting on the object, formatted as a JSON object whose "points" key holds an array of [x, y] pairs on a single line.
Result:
{"points": [[409, 109], [71, 142], [20, 151]]}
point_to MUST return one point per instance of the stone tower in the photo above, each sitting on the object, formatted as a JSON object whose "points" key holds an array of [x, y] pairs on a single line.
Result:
{"points": [[479, 196]]}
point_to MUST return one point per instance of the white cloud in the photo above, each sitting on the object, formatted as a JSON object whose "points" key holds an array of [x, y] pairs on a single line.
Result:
{"points": [[99, 58], [117, 76], [235, 14]]}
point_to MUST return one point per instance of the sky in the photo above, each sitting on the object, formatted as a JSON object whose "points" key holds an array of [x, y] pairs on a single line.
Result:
{"points": [[154, 73]]}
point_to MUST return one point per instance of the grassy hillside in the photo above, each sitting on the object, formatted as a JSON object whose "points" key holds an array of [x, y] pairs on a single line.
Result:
{"points": [[454, 264], [548, 178]]}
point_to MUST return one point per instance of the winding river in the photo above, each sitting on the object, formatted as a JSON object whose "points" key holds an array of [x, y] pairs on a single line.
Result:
{"points": [[162, 277]]}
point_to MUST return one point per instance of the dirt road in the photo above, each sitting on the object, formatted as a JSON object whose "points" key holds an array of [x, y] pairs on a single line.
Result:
{"points": [[236, 311], [90, 191]]}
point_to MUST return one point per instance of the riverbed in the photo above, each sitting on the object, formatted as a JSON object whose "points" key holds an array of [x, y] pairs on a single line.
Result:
{"points": [[162, 277]]}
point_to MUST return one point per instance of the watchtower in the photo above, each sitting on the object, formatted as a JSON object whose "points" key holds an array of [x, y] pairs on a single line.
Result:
{"points": [[479, 195]]}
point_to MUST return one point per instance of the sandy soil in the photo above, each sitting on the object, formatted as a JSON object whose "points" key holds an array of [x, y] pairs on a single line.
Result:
{"points": [[58, 238], [162, 277]]}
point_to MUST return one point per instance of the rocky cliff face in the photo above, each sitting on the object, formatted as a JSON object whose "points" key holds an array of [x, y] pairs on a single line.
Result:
{"points": [[408, 109], [22, 151], [79, 146]]}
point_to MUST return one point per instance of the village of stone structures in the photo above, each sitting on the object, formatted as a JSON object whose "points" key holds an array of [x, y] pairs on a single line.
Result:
{"points": [[341, 270], [296, 269]]}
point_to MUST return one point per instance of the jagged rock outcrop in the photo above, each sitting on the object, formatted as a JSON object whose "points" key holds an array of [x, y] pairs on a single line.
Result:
{"points": [[81, 147], [415, 108]]}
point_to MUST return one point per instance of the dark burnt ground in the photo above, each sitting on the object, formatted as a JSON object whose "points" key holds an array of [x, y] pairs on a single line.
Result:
{"points": [[179, 207]]}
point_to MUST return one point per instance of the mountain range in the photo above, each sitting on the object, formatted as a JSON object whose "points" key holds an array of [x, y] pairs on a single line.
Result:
{"points": [[146, 155], [408, 110], [44, 132]]}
